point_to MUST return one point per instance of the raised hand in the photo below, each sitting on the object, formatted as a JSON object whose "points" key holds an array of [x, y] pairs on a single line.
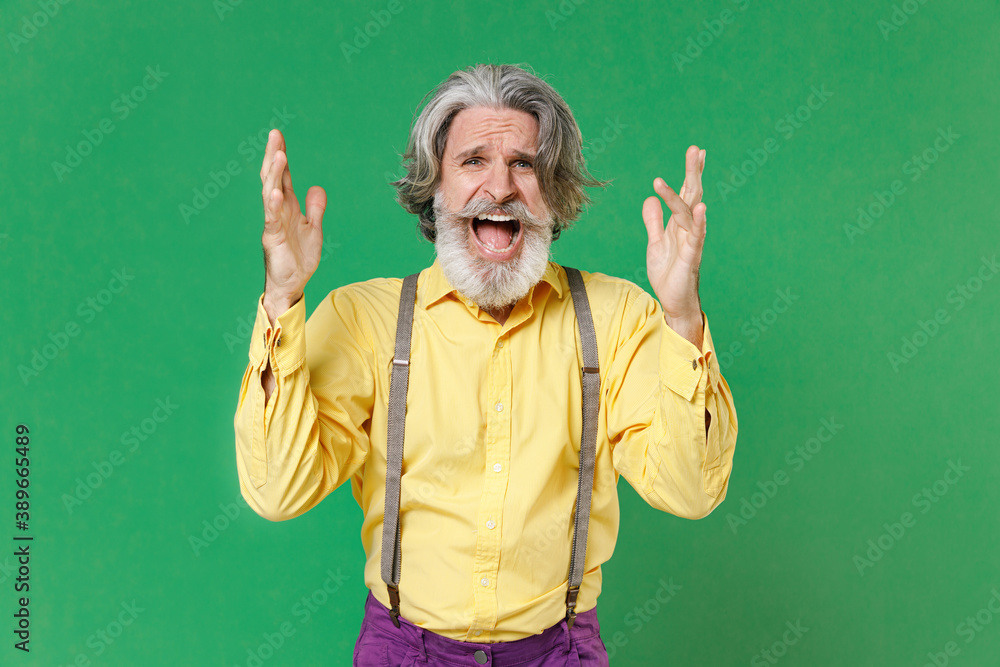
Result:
{"points": [[293, 242], [673, 255]]}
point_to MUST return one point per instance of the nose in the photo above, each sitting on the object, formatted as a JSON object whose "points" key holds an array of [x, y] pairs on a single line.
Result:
{"points": [[499, 184]]}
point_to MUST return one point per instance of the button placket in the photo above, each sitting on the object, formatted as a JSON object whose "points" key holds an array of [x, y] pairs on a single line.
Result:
{"points": [[494, 488]]}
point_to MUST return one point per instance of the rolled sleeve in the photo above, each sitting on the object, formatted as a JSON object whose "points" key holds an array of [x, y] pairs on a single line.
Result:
{"points": [[285, 343], [288, 458], [662, 447]]}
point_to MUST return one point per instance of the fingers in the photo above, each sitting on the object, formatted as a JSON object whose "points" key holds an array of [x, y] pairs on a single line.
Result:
{"points": [[286, 174], [273, 201], [275, 142], [678, 207], [700, 219], [691, 190], [275, 155], [272, 181]]}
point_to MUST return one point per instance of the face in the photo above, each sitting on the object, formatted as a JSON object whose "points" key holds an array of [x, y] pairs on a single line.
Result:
{"points": [[493, 228]]}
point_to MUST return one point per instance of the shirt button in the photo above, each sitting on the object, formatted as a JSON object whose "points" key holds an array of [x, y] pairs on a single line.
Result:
{"points": [[279, 341], [478, 632], [694, 364], [484, 581], [497, 467], [499, 343], [480, 657], [491, 524], [499, 407]]}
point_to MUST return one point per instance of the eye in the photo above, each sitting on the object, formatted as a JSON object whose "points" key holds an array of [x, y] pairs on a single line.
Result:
{"points": [[526, 164], [471, 160]]}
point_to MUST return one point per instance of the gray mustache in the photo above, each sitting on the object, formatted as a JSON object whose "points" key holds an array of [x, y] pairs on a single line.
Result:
{"points": [[479, 207]]}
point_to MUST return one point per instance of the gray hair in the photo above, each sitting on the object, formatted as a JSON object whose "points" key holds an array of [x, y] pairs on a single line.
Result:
{"points": [[559, 164]]}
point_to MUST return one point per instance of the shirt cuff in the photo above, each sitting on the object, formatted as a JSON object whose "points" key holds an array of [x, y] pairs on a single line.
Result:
{"points": [[684, 364], [284, 343]]}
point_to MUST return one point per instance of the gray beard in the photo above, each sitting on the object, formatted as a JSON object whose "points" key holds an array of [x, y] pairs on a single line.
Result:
{"points": [[491, 285]]}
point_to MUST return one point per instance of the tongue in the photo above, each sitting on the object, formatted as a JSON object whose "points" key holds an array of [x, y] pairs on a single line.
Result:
{"points": [[497, 234]]}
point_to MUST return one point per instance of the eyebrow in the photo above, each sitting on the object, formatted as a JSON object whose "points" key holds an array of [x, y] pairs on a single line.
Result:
{"points": [[478, 150]]}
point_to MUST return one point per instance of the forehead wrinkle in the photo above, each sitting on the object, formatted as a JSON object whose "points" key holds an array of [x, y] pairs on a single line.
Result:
{"points": [[482, 148], [490, 131]]}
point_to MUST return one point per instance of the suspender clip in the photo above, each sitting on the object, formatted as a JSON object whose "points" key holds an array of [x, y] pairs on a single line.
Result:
{"points": [[571, 596], [394, 601]]}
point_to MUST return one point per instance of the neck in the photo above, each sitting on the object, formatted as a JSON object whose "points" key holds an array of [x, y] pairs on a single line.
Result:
{"points": [[501, 314]]}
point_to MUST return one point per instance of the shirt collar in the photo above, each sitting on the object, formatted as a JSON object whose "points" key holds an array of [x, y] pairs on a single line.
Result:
{"points": [[434, 286]]}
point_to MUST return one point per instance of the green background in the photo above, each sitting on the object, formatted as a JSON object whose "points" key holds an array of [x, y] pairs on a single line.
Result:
{"points": [[178, 331]]}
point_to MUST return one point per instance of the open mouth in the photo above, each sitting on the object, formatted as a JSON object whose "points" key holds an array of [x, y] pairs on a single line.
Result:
{"points": [[497, 235]]}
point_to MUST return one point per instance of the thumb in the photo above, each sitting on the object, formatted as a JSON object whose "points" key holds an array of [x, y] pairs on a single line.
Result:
{"points": [[652, 215], [315, 205]]}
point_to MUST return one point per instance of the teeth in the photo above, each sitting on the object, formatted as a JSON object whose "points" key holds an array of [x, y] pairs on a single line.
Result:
{"points": [[500, 218]]}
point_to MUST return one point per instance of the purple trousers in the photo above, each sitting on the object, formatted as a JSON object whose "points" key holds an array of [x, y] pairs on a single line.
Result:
{"points": [[382, 644]]}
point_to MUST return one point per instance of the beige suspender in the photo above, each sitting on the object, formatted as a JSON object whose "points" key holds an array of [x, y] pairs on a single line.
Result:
{"points": [[391, 533]]}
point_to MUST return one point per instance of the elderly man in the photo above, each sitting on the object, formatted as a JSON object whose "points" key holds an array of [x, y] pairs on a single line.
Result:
{"points": [[521, 388]]}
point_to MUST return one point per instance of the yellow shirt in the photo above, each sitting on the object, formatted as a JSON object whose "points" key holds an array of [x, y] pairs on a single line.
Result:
{"points": [[492, 439]]}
